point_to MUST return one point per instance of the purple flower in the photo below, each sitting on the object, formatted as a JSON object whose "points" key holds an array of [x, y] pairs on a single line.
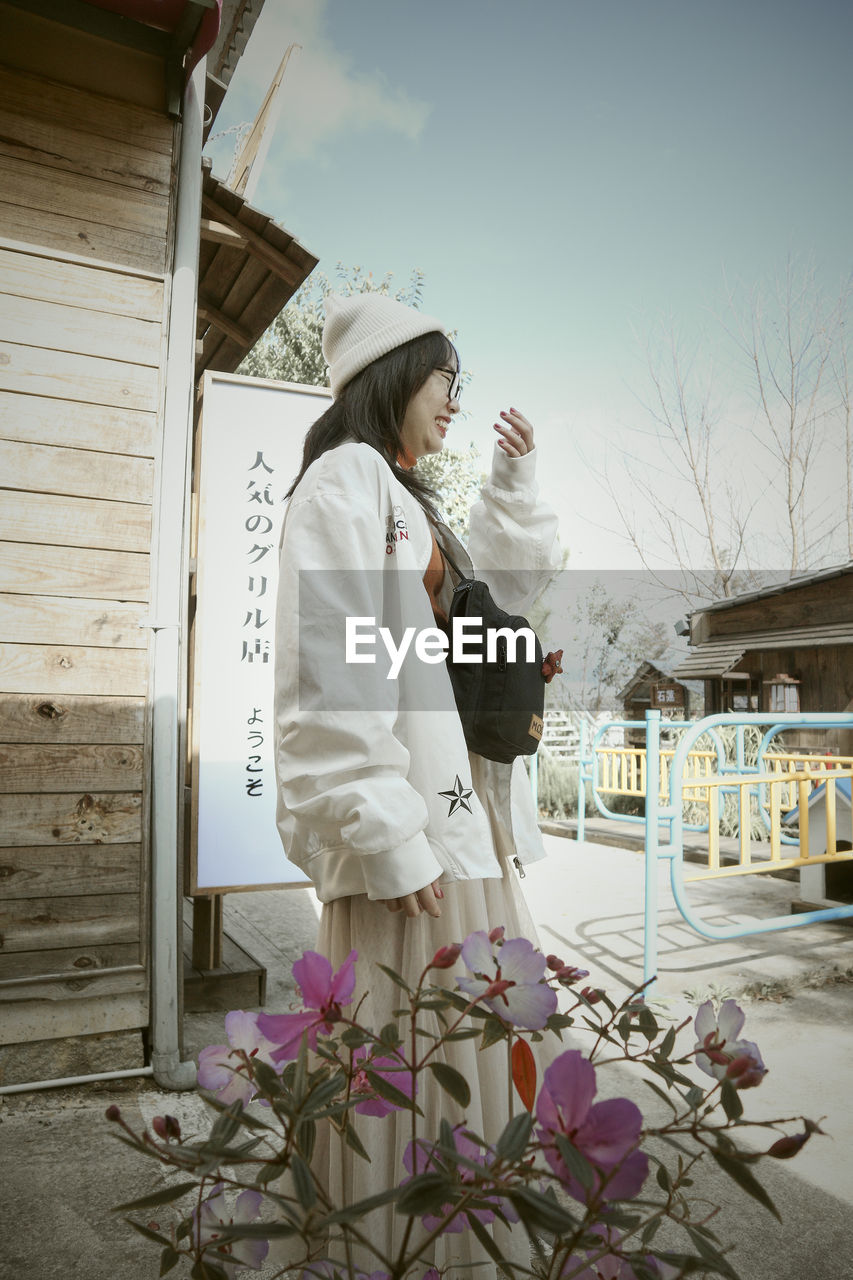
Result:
{"points": [[422, 1156], [605, 1133], [222, 1070], [394, 1070], [213, 1216], [512, 985], [323, 994], [718, 1051]]}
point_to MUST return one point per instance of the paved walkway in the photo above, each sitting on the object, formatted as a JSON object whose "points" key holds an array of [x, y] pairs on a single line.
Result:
{"points": [[61, 1167]]}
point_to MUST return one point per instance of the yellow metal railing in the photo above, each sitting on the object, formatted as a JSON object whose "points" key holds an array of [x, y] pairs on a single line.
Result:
{"points": [[776, 790], [800, 762], [622, 771]]}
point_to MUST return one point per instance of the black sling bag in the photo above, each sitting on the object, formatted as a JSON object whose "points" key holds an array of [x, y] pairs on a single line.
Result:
{"points": [[500, 696]]}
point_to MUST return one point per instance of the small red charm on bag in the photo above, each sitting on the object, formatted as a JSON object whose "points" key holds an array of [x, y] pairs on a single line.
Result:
{"points": [[553, 665]]}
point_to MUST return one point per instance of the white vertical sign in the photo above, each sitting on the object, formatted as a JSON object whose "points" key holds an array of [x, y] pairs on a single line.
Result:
{"points": [[251, 449]]}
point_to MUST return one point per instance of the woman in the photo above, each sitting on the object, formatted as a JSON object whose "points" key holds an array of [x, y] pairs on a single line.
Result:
{"points": [[408, 839]]}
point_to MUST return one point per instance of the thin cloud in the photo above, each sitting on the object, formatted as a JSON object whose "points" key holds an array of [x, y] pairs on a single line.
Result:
{"points": [[325, 97]]}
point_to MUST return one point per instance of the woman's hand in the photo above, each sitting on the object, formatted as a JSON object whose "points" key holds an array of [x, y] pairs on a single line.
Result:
{"points": [[516, 434], [412, 904]]}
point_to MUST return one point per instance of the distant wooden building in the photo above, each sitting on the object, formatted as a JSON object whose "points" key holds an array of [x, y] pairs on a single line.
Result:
{"points": [[787, 647], [653, 688], [102, 206]]}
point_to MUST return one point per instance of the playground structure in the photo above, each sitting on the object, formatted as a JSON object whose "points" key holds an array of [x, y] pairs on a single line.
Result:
{"points": [[732, 766]]}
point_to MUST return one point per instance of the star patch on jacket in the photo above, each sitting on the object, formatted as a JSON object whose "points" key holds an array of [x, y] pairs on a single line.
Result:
{"points": [[458, 797]]}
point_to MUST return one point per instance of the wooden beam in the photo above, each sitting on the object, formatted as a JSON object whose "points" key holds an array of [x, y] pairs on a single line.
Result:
{"points": [[218, 233], [207, 311], [264, 252]]}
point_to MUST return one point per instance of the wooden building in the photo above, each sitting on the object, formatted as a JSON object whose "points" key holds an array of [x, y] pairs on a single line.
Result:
{"points": [[653, 688], [102, 206], [787, 647]]}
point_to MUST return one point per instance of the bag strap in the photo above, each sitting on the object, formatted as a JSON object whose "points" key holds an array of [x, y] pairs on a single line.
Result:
{"points": [[463, 577]]}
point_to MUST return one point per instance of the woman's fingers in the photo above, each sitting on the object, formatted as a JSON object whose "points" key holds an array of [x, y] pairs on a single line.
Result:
{"points": [[516, 433], [426, 899]]}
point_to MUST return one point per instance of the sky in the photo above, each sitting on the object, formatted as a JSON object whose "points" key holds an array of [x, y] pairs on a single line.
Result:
{"points": [[570, 177]]}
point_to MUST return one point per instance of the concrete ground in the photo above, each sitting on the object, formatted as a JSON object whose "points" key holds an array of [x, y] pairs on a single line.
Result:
{"points": [[61, 1167]]}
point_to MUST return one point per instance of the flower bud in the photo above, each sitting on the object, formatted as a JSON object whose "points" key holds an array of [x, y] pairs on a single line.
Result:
{"points": [[166, 1127], [496, 935], [785, 1148], [497, 988], [446, 957], [592, 995], [554, 962], [113, 1113], [569, 974]]}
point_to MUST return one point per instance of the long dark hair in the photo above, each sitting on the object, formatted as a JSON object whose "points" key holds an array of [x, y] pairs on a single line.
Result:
{"points": [[372, 405]]}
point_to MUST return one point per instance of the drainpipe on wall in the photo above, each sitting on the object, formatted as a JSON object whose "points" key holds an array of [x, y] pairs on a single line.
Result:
{"points": [[168, 608]]}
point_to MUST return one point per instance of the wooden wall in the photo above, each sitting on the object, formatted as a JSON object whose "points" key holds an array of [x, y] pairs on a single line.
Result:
{"points": [[85, 240]]}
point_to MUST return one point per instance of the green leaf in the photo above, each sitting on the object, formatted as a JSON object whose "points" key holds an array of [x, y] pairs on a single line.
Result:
{"points": [[452, 1082], [705, 1247], [623, 1026], [303, 1183], [512, 1143], [266, 1077], [355, 1142], [536, 1210], [493, 1032], [306, 1132], [390, 1036], [663, 1096], [731, 1100], [647, 1024], [488, 1244], [206, 1270], [395, 977], [225, 1127], [164, 1196], [739, 1173], [426, 1193], [147, 1232], [359, 1209], [667, 1045], [662, 1177], [464, 1033], [694, 1097], [390, 1092], [577, 1165], [354, 1037], [168, 1258], [300, 1079]]}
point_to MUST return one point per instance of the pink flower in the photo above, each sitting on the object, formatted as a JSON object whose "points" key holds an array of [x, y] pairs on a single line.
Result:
{"points": [[515, 990], [323, 994], [221, 1068], [605, 1133], [394, 1070], [446, 957], [428, 1157], [718, 1051], [213, 1217]]}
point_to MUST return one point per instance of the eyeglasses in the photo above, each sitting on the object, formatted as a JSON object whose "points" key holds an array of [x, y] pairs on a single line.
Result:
{"points": [[454, 383]]}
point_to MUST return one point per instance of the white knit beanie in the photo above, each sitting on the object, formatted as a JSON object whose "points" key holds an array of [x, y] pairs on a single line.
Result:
{"points": [[364, 326]]}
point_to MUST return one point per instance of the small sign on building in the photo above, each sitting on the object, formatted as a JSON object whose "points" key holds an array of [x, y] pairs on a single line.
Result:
{"points": [[667, 694]]}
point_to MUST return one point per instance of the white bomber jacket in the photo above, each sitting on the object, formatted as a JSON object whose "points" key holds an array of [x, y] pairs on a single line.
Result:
{"points": [[375, 788]]}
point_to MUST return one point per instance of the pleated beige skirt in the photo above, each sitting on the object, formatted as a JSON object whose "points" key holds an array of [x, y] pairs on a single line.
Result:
{"points": [[407, 946]]}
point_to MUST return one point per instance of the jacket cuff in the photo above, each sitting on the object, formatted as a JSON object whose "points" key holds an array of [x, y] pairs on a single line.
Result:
{"points": [[396, 872], [513, 474]]}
